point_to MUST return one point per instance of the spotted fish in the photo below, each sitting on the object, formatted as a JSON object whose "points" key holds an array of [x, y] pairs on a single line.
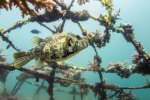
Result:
{"points": [[57, 47]]}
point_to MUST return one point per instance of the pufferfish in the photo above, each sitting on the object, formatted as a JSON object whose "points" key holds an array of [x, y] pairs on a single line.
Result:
{"points": [[57, 47]]}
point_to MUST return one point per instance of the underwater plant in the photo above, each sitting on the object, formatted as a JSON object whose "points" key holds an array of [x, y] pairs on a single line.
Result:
{"points": [[62, 45]]}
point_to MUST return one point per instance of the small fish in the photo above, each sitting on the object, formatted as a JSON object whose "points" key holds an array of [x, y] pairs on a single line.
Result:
{"points": [[57, 47], [35, 31]]}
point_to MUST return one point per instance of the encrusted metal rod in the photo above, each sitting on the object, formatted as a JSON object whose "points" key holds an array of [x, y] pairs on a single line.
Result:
{"points": [[127, 32], [74, 93], [137, 45], [60, 29], [81, 15], [52, 16], [17, 25], [138, 87], [122, 71], [83, 30], [50, 87], [58, 80], [5, 38], [42, 24], [17, 87], [51, 79], [62, 5], [44, 87], [34, 84], [102, 94], [38, 90]]}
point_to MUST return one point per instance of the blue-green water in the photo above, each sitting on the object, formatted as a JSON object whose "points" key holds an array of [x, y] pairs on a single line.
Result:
{"points": [[136, 12]]}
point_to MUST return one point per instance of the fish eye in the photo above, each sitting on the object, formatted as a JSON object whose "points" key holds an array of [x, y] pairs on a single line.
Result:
{"points": [[69, 42], [78, 37]]}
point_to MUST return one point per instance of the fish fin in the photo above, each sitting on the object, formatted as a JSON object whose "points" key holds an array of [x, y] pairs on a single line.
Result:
{"points": [[39, 63], [21, 59], [19, 54], [37, 40]]}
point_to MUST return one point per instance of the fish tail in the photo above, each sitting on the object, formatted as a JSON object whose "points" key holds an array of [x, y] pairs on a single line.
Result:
{"points": [[21, 58]]}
